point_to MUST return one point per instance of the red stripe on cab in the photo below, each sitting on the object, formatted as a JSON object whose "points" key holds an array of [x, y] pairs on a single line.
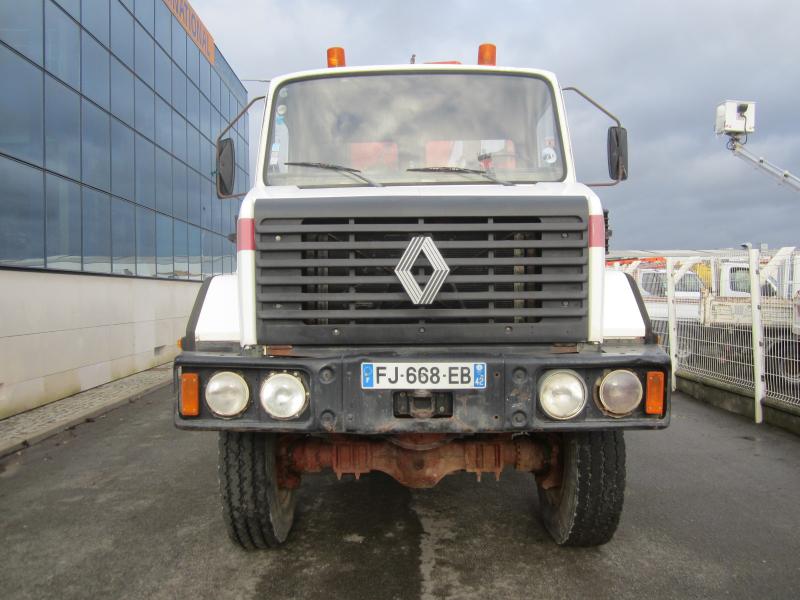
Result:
{"points": [[245, 234], [597, 231]]}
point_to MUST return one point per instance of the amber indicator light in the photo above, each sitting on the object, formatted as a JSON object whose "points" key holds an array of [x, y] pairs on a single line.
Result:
{"points": [[190, 395], [654, 401]]}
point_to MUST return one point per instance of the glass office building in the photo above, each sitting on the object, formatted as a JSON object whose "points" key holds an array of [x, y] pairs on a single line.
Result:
{"points": [[108, 114]]}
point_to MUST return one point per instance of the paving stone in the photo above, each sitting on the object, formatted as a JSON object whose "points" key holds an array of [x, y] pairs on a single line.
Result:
{"points": [[22, 430]]}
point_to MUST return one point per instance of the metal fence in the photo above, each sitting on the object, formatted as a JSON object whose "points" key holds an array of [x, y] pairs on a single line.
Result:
{"points": [[716, 330]]}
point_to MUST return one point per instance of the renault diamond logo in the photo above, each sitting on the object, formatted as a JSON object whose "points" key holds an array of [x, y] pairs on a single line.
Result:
{"points": [[404, 270]]}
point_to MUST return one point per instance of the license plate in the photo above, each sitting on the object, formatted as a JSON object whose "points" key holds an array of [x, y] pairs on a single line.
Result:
{"points": [[428, 376]]}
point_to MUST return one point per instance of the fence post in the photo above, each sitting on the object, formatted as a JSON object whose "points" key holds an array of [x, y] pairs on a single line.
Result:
{"points": [[759, 364], [672, 321]]}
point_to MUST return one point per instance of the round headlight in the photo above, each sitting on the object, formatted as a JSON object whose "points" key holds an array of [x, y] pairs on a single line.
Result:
{"points": [[283, 396], [562, 394], [620, 392], [227, 394]]}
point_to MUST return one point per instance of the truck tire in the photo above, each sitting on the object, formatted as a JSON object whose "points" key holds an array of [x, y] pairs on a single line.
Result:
{"points": [[258, 514], [585, 509]]}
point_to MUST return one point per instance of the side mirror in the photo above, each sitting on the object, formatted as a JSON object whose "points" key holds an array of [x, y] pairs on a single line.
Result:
{"points": [[226, 167], [618, 153]]}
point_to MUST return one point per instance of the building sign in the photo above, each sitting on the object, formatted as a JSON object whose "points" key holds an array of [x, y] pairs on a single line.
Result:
{"points": [[193, 26]]}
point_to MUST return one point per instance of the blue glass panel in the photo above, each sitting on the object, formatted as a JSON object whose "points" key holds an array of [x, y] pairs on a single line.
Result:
{"points": [[96, 146], [217, 241], [205, 204], [73, 7], [145, 172], [195, 252], [96, 231], [145, 57], [145, 109], [214, 95], [163, 28], [205, 76], [21, 111], [63, 223], [179, 185], [178, 90], [193, 147], [192, 104], [163, 182], [178, 136], [122, 160], [193, 61], [181, 244], [216, 124], [145, 242], [163, 75], [206, 158], [63, 129], [205, 117], [145, 12], [216, 212], [164, 251], [94, 16], [62, 45], [122, 33], [94, 70], [163, 124], [194, 199], [121, 92], [208, 254], [21, 27], [178, 44], [22, 215], [224, 102], [123, 237], [128, 4]]}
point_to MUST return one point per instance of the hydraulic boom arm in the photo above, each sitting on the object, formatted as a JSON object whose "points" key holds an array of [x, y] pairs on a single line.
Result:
{"points": [[764, 165]]}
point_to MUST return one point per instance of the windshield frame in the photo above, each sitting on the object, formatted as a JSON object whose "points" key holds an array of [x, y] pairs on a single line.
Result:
{"points": [[559, 119]]}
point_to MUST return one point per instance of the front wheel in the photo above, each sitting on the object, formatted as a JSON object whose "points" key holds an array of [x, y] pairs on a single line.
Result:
{"points": [[585, 507], [258, 513]]}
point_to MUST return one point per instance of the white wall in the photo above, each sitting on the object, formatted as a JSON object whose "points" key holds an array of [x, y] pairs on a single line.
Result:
{"points": [[61, 334]]}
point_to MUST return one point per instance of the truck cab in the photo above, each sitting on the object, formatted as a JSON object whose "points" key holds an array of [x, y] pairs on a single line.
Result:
{"points": [[420, 291]]}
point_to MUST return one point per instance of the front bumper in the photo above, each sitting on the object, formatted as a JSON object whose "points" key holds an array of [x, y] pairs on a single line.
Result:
{"points": [[337, 403]]}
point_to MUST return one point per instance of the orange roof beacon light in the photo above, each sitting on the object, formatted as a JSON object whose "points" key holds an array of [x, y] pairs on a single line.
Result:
{"points": [[487, 55], [336, 57]]}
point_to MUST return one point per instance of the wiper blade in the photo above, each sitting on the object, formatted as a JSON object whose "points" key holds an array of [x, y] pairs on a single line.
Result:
{"points": [[341, 168], [485, 174]]}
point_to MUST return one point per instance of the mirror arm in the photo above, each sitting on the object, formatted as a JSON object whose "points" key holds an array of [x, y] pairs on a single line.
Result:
{"points": [[226, 130], [237, 117], [602, 109], [594, 103]]}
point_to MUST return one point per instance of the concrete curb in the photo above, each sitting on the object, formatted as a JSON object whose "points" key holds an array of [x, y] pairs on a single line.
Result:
{"points": [[730, 399], [75, 416]]}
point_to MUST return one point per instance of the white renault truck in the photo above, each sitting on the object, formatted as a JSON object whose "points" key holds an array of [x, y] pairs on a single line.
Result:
{"points": [[420, 291]]}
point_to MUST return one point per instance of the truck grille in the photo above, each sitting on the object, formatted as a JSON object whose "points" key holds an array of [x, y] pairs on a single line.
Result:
{"points": [[331, 280]]}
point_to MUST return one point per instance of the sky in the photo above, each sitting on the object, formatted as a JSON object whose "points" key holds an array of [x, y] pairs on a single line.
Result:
{"points": [[660, 66]]}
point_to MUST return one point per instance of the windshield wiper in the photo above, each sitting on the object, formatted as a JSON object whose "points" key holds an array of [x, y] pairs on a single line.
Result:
{"points": [[341, 168], [485, 174]]}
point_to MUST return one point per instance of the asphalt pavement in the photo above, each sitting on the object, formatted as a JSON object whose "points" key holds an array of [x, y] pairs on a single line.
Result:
{"points": [[126, 507]]}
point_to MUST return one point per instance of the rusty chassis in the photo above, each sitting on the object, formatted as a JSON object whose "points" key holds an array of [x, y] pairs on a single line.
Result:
{"points": [[416, 460]]}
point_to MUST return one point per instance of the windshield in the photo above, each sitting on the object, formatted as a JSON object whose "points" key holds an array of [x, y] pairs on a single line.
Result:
{"points": [[385, 124]]}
